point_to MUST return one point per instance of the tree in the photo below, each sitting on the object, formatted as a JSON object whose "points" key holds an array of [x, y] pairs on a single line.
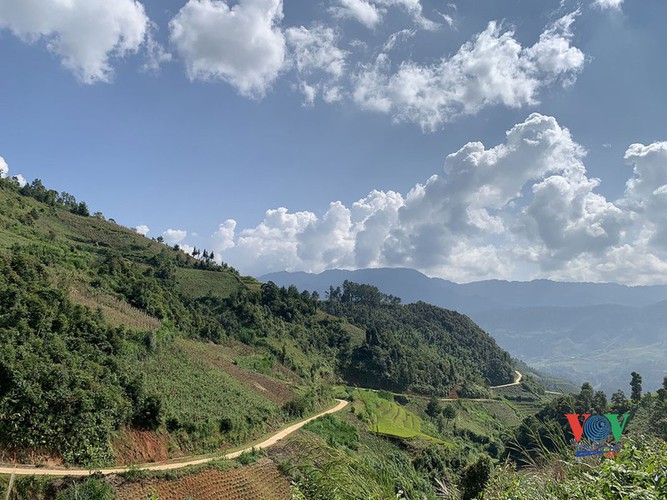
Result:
{"points": [[160, 239], [585, 397], [82, 209], [636, 385], [434, 408], [619, 401], [475, 476], [662, 393], [448, 411], [600, 402]]}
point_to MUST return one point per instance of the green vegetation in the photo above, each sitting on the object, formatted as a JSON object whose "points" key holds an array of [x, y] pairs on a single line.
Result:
{"points": [[201, 404], [384, 416], [639, 471], [416, 347], [104, 333], [335, 432], [96, 319], [379, 471]]}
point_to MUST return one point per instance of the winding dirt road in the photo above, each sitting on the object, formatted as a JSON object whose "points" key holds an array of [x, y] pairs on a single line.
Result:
{"points": [[41, 471], [517, 381]]}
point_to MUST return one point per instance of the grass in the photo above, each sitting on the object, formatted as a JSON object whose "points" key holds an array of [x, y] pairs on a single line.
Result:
{"points": [[387, 417], [260, 363], [334, 431], [117, 312], [86, 238], [200, 282], [202, 404]]}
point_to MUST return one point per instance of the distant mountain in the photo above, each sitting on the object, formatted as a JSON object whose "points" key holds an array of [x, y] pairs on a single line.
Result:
{"points": [[412, 286], [581, 331]]}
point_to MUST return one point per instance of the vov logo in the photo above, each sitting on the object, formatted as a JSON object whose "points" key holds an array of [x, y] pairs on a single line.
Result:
{"points": [[599, 430]]}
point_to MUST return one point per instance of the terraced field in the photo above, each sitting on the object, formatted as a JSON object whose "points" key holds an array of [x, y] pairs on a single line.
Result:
{"points": [[388, 417], [259, 480]]}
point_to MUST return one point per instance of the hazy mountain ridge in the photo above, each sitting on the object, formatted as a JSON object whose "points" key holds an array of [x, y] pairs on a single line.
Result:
{"points": [[594, 331]]}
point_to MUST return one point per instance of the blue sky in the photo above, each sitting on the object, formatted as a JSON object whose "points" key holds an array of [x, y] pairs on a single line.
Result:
{"points": [[194, 118]]}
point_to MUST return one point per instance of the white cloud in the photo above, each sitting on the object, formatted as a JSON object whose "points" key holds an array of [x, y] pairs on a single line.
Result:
{"points": [[242, 44], [274, 239], [4, 172], [318, 61], [21, 180], [371, 13], [361, 10], [174, 236], [4, 168], [646, 192], [332, 94], [608, 4], [156, 54], [413, 7], [399, 36], [491, 69], [315, 49], [142, 229], [84, 34], [223, 238], [449, 19], [522, 209], [432, 227]]}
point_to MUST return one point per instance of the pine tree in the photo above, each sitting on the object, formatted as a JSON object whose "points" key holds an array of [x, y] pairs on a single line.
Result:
{"points": [[636, 385]]}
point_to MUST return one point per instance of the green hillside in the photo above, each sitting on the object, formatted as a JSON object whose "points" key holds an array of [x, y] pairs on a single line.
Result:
{"points": [[106, 332], [115, 348]]}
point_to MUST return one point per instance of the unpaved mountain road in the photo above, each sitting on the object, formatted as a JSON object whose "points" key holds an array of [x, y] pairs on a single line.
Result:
{"points": [[43, 471], [517, 380]]}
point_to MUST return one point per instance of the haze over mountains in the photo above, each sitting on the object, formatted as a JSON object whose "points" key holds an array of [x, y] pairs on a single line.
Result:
{"points": [[598, 332]]}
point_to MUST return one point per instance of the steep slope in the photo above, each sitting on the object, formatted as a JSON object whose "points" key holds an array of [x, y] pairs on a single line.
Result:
{"points": [[109, 338]]}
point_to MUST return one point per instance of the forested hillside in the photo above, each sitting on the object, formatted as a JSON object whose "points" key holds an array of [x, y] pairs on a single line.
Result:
{"points": [[104, 332], [576, 331], [416, 347]]}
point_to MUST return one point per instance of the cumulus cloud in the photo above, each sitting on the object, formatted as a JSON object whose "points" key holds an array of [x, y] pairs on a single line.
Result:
{"points": [[524, 208], [241, 44], [4, 172], [223, 238], [492, 69], [174, 236], [21, 180], [142, 229], [646, 192], [85, 34]]}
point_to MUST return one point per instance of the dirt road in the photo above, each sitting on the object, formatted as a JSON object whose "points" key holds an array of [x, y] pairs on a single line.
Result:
{"points": [[517, 381], [41, 471]]}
